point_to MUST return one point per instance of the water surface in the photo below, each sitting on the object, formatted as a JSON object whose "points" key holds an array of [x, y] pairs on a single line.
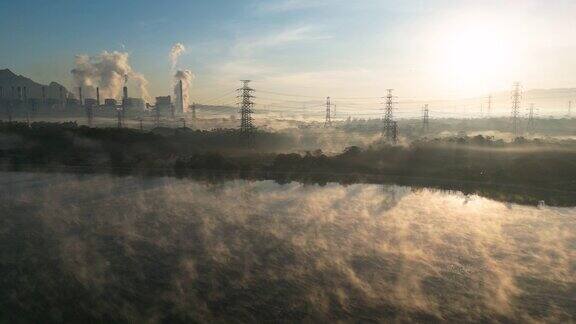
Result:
{"points": [[98, 247]]}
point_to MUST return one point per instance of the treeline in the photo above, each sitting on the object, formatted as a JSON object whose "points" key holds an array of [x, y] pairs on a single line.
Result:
{"points": [[523, 171]]}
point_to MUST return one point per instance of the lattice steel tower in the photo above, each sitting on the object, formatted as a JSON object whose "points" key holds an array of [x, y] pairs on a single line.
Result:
{"points": [[390, 131], [328, 121], [531, 120], [425, 119], [90, 115], [516, 97], [246, 104]]}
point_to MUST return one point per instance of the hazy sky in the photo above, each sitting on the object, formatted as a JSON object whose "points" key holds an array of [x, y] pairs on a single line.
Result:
{"points": [[311, 47]]}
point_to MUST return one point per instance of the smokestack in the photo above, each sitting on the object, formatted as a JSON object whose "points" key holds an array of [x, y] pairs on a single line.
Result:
{"points": [[124, 104], [97, 96], [80, 95], [43, 95], [181, 97], [12, 95], [24, 96], [19, 93]]}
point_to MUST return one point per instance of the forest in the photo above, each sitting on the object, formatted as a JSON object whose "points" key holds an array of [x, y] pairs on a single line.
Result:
{"points": [[524, 170]]}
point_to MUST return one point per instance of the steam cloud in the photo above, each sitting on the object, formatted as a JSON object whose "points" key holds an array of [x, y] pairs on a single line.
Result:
{"points": [[175, 52], [186, 76], [107, 71], [166, 248]]}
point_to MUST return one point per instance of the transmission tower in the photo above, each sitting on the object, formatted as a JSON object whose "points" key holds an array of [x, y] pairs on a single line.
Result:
{"points": [[194, 111], [390, 131], [516, 97], [328, 121], [10, 106], [531, 120], [25, 101], [157, 116], [119, 117], [425, 119], [246, 104], [90, 115]]}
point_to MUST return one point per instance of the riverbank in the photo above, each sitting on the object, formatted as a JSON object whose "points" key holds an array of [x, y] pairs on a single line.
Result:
{"points": [[524, 171]]}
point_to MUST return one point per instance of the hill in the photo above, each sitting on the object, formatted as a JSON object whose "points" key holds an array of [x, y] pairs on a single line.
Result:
{"points": [[9, 79]]}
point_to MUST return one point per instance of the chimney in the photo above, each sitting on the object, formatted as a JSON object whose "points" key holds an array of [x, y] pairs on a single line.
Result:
{"points": [[80, 95], [124, 98], [97, 96], [181, 97]]}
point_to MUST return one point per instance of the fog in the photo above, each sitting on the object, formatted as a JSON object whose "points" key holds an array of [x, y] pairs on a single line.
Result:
{"points": [[164, 249]]}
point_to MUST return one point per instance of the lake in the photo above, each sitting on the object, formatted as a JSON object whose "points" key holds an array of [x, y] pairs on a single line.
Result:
{"points": [[81, 248]]}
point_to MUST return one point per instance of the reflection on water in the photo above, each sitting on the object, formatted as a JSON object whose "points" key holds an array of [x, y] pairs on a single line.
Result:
{"points": [[80, 248]]}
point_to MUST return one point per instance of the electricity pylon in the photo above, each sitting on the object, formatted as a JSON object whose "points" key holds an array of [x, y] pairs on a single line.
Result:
{"points": [[390, 131], [425, 119], [246, 104], [328, 121], [531, 120], [516, 97]]}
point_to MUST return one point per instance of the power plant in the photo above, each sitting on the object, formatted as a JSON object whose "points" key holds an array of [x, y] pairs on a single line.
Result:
{"points": [[27, 100]]}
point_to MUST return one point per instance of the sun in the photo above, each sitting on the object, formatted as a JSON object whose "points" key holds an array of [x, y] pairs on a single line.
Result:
{"points": [[472, 57]]}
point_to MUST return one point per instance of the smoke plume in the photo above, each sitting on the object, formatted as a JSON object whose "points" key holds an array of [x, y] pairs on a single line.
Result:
{"points": [[107, 71], [175, 52], [186, 76]]}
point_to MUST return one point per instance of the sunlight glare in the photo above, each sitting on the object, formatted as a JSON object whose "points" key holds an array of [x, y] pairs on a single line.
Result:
{"points": [[473, 57]]}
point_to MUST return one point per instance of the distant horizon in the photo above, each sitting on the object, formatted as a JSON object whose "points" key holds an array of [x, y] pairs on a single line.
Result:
{"points": [[70, 87]]}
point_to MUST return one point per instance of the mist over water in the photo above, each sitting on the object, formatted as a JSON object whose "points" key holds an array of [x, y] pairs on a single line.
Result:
{"points": [[78, 248]]}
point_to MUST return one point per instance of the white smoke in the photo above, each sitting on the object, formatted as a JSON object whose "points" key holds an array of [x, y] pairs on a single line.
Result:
{"points": [[186, 76], [108, 71], [175, 52]]}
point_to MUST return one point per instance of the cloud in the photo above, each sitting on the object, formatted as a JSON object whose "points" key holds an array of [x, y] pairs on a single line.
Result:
{"points": [[247, 46]]}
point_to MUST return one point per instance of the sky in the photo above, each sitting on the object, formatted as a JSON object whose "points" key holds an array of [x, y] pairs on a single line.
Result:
{"points": [[308, 48]]}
